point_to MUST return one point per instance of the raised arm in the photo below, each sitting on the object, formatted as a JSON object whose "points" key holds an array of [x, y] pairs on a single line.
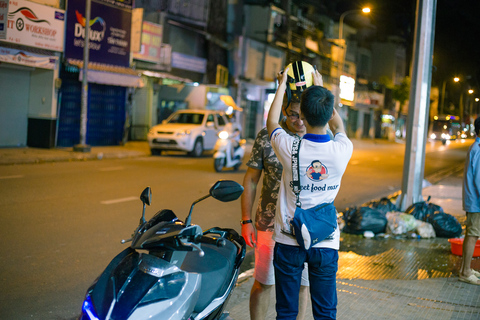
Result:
{"points": [[276, 107], [336, 123]]}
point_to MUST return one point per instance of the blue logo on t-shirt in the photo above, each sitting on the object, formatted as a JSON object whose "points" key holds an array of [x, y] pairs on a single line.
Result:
{"points": [[316, 171]]}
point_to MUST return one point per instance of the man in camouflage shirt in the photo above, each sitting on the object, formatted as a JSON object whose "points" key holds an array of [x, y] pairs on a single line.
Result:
{"points": [[264, 159]]}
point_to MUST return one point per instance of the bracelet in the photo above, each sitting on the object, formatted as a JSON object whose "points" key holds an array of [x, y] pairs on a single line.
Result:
{"points": [[245, 221]]}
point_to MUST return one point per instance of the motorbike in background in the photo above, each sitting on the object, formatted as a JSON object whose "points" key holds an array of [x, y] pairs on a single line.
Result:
{"points": [[172, 270], [228, 152]]}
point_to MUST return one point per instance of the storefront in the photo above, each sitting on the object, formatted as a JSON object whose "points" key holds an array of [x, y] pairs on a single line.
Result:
{"points": [[110, 78], [29, 68]]}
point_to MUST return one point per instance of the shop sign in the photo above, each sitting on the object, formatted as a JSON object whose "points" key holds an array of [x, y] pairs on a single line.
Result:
{"points": [[26, 58], [151, 43], [347, 88], [3, 19], [35, 25], [109, 35], [187, 62]]}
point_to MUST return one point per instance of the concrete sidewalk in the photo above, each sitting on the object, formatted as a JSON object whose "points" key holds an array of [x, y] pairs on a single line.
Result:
{"points": [[27, 155], [395, 278]]}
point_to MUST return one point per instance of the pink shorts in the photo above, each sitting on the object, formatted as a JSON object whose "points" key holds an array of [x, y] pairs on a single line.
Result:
{"points": [[264, 271]]}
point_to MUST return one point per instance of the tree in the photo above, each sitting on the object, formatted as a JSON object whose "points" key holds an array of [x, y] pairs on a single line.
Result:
{"points": [[401, 93]]}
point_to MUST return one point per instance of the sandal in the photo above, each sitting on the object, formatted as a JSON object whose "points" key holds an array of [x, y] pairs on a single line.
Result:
{"points": [[471, 279]]}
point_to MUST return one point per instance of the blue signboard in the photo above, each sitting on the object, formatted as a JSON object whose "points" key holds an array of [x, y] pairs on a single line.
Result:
{"points": [[109, 34]]}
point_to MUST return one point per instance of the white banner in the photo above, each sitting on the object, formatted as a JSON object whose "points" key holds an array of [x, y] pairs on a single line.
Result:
{"points": [[27, 58], [3, 19], [35, 25]]}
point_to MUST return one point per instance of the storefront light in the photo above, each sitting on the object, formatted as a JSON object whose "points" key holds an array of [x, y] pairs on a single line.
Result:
{"points": [[347, 88]]}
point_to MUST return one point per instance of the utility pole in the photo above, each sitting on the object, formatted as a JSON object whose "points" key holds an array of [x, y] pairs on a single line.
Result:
{"points": [[418, 109], [82, 146]]}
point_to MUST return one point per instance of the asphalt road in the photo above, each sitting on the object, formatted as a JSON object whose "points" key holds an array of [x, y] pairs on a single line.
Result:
{"points": [[61, 223]]}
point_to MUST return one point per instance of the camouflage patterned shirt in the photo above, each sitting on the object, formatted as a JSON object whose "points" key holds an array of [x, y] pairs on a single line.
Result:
{"points": [[263, 158]]}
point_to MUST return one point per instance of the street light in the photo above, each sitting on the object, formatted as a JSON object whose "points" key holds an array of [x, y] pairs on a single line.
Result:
{"points": [[342, 17], [365, 10]]}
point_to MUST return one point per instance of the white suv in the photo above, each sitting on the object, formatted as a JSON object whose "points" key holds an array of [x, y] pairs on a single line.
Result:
{"points": [[187, 130]]}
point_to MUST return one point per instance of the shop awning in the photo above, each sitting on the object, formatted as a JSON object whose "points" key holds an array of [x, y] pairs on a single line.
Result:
{"points": [[164, 75], [110, 75]]}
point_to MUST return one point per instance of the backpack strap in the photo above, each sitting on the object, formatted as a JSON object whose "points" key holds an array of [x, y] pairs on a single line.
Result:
{"points": [[296, 169]]}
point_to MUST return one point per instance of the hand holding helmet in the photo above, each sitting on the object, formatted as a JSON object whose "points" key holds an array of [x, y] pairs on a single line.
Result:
{"points": [[300, 76]]}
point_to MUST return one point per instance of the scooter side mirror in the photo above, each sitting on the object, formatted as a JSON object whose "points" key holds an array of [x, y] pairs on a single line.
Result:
{"points": [[226, 190], [146, 196]]}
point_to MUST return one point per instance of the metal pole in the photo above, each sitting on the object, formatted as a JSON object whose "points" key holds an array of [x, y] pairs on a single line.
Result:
{"points": [[414, 163], [344, 52], [443, 97], [82, 146]]}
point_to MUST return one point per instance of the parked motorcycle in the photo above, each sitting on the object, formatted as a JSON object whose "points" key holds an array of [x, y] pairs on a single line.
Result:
{"points": [[228, 152], [172, 270]]}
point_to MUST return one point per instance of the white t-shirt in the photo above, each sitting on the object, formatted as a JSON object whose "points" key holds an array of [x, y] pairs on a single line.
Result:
{"points": [[322, 164]]}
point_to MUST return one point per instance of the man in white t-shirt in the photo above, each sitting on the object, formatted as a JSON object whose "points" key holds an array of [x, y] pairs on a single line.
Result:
{"points": [[322, 164]]}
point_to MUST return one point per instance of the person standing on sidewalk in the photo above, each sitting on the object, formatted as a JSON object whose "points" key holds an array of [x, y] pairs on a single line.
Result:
{"points": [[471, 205], [316, 112], [260, 237]]}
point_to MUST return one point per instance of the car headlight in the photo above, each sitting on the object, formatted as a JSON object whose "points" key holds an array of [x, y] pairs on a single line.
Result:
{"points": [[223, 135], [183, 133], [433, 136]]}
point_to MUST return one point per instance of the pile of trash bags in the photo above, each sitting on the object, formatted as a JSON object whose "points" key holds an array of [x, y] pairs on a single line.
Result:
{"points": [[422, 219]]}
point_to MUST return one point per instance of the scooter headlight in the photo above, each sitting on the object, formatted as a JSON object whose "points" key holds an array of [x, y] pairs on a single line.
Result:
{"points": [[88, 311], [166, 287], [223, 135]]}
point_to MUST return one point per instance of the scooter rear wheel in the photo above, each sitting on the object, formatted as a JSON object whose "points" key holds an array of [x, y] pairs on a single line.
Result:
{"points": [[218, 164]]}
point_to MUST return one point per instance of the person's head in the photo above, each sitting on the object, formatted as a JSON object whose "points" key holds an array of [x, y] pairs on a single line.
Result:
{"points": [[291, 112], [316, 106], [316, 165], [477, 126], [299, 78]]}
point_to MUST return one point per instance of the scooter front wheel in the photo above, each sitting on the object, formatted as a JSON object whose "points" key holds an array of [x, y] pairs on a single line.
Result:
{"points": [[218, 164]]}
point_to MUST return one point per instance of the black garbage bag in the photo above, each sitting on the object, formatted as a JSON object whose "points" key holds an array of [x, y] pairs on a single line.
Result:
{"points": [[383, 205], [361, 219], [445, 225], [421, 210]]}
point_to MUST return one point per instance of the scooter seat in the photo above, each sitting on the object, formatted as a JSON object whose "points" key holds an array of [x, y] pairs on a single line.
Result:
{"points": [[216, 268]]}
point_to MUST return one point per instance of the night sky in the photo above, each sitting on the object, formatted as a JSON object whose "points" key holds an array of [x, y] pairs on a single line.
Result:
{"points": [[457, 30]]}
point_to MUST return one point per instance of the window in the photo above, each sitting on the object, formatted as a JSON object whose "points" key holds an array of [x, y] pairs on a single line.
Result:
{"points": [[221, 120]]}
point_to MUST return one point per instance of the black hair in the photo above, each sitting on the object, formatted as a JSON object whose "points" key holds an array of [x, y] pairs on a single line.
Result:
{"points": [[315, 161], [294, 98], [317, 106], [477, 126]]}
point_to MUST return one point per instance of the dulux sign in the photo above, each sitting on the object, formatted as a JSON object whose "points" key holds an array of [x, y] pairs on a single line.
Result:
{"points": [[109, 34]]}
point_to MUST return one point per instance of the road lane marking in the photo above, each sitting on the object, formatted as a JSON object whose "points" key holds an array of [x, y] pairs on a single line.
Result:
{"points": [[111, 169], [12, 177], [113, 201]]}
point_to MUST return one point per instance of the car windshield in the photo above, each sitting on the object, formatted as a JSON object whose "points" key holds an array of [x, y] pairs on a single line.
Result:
{"points": [[187, 118]]}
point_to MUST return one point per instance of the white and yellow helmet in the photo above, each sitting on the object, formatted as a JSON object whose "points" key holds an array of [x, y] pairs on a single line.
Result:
{"points": [[300, 76]]}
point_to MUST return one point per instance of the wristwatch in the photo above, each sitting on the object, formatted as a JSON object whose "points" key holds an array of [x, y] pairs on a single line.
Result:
{"points": [[245, 221]]}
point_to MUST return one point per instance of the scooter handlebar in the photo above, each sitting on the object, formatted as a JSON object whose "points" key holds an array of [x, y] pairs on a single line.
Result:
{"points": [[219, 242]]}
